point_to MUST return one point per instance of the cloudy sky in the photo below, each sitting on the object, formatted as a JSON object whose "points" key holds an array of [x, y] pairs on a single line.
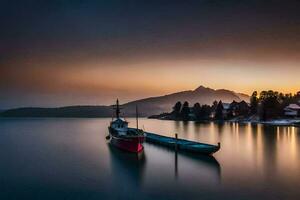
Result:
{"points": [[63, 52]]}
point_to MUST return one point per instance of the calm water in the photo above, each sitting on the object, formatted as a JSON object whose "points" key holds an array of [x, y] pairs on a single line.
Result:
{"points": [[70, 159]]}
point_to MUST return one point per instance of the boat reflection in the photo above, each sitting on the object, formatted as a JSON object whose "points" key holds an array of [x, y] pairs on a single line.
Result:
{"points": [[209, 162], [207, 167], [127, 166], [185, 168]]}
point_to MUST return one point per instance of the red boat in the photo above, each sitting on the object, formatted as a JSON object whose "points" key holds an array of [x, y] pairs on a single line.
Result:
{"points": [[123, 137]]}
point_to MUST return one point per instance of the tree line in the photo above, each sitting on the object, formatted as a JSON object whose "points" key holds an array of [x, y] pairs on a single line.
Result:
{"points": [[206, 112], [270, 104], [265, 106], [183, 111]]}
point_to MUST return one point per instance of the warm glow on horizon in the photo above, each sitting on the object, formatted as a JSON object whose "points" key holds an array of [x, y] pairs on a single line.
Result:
{"points": [[97, 55], [101, 83]]}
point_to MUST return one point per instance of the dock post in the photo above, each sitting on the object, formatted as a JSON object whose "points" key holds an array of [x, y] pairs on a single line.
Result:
{"points": [[176, 138], [176, 165]]}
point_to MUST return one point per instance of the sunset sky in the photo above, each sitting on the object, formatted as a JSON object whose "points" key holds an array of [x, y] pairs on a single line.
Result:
{"points": [[61, 52]]}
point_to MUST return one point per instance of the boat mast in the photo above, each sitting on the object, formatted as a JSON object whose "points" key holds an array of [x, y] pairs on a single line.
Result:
{"points": [[137, 117], [118, 110]]}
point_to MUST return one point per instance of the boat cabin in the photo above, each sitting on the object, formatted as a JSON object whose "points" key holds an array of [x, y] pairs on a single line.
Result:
{"points": [[120, 125]]}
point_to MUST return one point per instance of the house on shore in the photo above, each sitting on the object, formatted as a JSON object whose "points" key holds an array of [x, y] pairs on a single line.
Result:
{"points": [[235, 109], [292, 110], [226, 109]]}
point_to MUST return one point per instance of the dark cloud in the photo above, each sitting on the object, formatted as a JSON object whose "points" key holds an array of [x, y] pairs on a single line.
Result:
{"points": [[109, 29]]}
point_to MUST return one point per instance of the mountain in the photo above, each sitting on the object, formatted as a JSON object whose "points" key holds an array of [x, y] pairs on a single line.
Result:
{"points": [[202, 95], [244, 97], [146, 107]]}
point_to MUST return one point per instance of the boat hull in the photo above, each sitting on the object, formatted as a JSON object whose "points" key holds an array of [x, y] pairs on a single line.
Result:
{"points": [[182, 145], [130, 143], [133, 144]]}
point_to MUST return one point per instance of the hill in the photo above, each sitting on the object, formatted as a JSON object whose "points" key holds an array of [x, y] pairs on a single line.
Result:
{"points": [[203, 95], [69, 111], [147, 107]]}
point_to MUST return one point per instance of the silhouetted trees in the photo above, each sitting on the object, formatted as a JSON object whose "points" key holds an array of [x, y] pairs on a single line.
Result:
{"points": [[180, 111], [253, 103], [177, 109], [269, 105], [214, 105], [197, 111], [185, 111], [205, 112], [202, 112], [243, 109], [219, 111]]}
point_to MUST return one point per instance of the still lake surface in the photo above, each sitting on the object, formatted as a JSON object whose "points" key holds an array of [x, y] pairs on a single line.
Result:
{"points": [[70, 159]]}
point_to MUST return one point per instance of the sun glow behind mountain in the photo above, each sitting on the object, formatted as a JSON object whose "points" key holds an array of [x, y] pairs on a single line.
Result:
{"points": [[55, 54]]}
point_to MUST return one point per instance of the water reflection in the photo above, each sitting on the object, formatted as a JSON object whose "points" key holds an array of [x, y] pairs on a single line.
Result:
{"points": [[267, 151], [176, 164], [209, 162], [220, 127], [287, 148], [70, 159], [127, 166], [206, 165], [185, 125]]}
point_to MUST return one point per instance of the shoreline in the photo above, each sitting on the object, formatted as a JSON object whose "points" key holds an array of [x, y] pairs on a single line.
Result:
{"points": [[275, 122]]}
